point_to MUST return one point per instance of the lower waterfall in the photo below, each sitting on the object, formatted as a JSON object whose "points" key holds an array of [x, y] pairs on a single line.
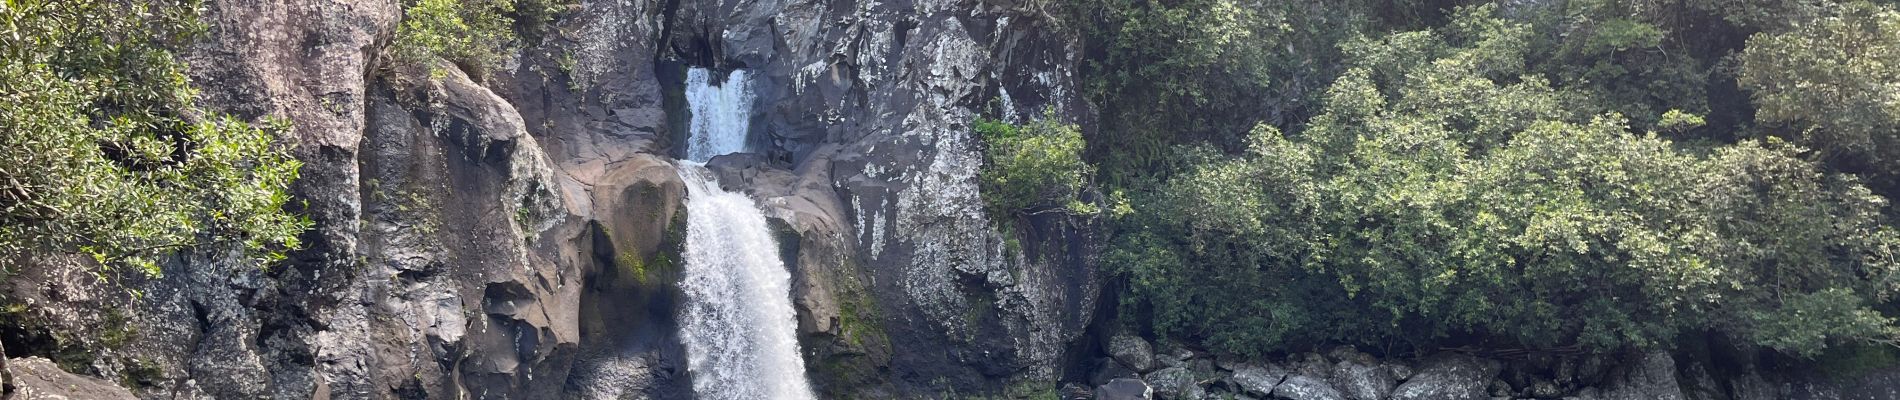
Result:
{"points": [[737, 323]]}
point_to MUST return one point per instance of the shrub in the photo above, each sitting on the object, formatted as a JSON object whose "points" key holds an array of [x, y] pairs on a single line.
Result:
{"points": [[1033, 168], [473, 34], [106, 152]]}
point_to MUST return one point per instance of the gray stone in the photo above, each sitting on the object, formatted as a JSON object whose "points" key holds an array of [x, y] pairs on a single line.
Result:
{"points": [[1651, 377], [1449, 377], [1073, 391], [1166, 360], [1124, 389], [37, 378], [1132, 351], [1305, 387], [1258, 380], [1107, 369], [1545, 389], [1362, 378], [1175, 383]]}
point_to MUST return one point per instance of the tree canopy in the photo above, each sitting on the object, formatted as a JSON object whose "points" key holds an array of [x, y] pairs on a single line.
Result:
{"points": [[1538, 177], [105, 150]]}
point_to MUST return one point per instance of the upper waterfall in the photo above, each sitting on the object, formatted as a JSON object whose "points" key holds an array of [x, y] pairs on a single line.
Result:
{"points": [[721, 113], [738, 324]]}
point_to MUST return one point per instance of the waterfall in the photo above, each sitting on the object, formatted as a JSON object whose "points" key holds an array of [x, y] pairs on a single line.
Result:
{"points": [[738, 324], [722, 112]]}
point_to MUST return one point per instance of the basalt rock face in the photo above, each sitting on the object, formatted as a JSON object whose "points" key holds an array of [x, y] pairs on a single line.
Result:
{"points": [[516, 234], [452, 256], [864, 107]]}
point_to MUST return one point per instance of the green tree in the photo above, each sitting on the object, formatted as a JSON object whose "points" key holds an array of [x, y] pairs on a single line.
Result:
{"points": [[103, 149], [1448, 191], [1831, 82], [475, 35], [1163, 66], [471, 34]]}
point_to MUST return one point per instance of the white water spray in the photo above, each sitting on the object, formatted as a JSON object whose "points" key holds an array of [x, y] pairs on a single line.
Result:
{"points": [[738, 324]]}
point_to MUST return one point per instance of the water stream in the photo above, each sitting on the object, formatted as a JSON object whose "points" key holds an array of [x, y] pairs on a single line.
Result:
{"points": [[738, 324]]}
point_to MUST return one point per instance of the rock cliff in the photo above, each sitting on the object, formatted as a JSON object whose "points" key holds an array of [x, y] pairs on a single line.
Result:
{"points": [[516, 234]]}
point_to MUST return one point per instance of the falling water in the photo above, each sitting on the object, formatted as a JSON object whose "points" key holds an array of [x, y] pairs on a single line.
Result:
{"points": [[738, 324], [722, 111]]}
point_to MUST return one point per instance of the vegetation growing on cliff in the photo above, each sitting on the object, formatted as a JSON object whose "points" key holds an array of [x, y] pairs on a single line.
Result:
{"points": [[1583, 175], [475, 35], [105, 150], [470, 34], [1031, 168]]}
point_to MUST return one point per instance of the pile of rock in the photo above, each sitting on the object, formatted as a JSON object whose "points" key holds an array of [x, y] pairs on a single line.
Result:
{"points": [[1135, 370]]}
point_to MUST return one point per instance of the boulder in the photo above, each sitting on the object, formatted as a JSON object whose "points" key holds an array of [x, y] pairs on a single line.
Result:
{"points": [[1258, 380], [1132, 351], [1361, 377], [37, 378], [1075, 392], [1176, 383], [1306, 387], [1449, 377], [1124, 389], [1107, 369], [1651, 377]]}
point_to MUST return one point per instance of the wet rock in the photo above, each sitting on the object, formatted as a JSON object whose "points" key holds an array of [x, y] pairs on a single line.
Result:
{"points": [[1124, 389], [1449, 377]]}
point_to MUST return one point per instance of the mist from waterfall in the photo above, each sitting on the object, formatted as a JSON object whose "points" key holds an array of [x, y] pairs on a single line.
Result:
{"points": [[722, 113], [738, 324]]}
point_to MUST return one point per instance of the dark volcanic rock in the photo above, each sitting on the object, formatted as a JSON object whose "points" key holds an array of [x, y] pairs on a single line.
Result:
{"points": [[508, 234]]}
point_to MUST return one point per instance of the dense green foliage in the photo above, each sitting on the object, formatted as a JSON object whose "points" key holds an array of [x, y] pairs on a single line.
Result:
{"points": [[475, 35], [1033, 168], [103, 149], [1164, 67], [1536, 177], [1833, 83], [471, 34]]}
